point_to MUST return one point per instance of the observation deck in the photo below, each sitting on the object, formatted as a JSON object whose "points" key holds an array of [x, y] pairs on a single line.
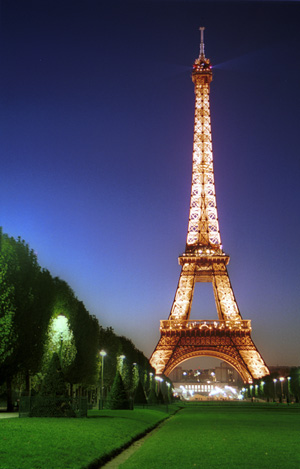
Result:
{"points": [[205, 326]]}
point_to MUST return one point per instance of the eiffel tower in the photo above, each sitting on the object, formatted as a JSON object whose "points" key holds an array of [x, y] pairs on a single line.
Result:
{"points": [[229, 337]]}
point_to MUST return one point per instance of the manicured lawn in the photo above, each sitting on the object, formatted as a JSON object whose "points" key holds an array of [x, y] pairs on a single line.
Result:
{"points": [[47, 443], [243, 437]]}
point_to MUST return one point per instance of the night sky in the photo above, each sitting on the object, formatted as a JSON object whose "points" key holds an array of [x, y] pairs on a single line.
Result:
{"points": [[97, 109]]}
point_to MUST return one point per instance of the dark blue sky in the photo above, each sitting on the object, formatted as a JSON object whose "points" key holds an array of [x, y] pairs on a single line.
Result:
{"points": [[96, 133]]}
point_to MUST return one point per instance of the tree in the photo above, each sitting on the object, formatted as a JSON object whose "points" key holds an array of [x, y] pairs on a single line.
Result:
{"points": [[295, 382], [118, 398], [7, 307], [25, 311], [85, 329], [78, 351], [53, 400], [31, 300], [139, 396], [152, 398], [109, 341], [160, 397], [54, 383]]}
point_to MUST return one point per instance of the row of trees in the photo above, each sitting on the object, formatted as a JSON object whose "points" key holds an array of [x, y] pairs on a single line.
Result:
{"points": [[277, 388], [39, 316]]}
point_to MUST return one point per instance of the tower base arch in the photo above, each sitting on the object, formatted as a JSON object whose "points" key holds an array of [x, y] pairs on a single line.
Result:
{"points": [[190, 339]]}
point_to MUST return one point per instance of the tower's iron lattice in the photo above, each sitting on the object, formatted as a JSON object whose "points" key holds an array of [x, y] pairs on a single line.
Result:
{"points": [[229, 337]]}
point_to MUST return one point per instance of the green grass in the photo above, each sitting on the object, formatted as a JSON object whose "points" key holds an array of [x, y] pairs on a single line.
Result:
{"points": [[204, 436], [47, 443], [244, 437]]}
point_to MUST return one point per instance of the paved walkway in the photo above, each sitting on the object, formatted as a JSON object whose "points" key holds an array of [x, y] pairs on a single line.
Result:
{"points": [[8, 415]]}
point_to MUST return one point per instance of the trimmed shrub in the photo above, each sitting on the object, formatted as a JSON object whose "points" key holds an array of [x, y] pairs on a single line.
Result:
{"points": [[139, 396], [160, 397], [118, 398], [51, 406], [152, 398], [54, 383], [53, 400]]}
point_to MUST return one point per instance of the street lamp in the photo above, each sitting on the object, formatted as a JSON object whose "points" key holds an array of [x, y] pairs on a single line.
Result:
{"points": [[274, 381], [103, 354], [281, 383], [262, 384], [121, 360], [288, 389], [158, 380]]}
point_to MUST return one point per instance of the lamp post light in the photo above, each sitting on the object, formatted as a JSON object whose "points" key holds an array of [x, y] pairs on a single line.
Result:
{"points": [[158, 380], [274, 381], [161, 380], [281, 379], [121, 360], [288, 389], [103, 354]]}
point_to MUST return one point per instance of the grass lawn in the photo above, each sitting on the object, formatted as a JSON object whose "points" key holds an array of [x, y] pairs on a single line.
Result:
{"points": [[47, 443], [260, 437]]}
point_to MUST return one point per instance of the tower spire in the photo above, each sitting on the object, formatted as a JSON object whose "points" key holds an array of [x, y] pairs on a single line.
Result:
{"points": [[202, 54]]}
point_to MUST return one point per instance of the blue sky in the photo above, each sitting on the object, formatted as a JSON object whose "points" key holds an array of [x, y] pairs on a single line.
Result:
{"points": [[96, 128]]}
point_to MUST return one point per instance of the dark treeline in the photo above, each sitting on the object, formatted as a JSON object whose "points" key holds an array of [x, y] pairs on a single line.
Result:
{"points": [[39, 316], [276, 387]]}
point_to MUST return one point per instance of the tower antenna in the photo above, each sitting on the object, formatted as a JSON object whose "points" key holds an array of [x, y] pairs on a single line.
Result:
{"points": [[202, 55]]}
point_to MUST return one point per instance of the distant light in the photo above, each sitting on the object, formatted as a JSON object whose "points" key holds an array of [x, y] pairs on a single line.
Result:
{"points": [[103, 353], [231, 389]]}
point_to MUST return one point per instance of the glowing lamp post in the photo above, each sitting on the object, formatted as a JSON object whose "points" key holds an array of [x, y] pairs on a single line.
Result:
{"points": [[281, 385], [103, 354], [288, 389], [262, 384], [121, 361], [158, 379], [274, 381]]}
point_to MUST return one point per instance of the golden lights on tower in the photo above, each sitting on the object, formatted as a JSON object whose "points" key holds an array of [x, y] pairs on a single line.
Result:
{"points": [[227, 338]]}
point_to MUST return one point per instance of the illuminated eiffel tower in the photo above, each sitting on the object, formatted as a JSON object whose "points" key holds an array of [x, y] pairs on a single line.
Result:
{"points": [[229, 337]]}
